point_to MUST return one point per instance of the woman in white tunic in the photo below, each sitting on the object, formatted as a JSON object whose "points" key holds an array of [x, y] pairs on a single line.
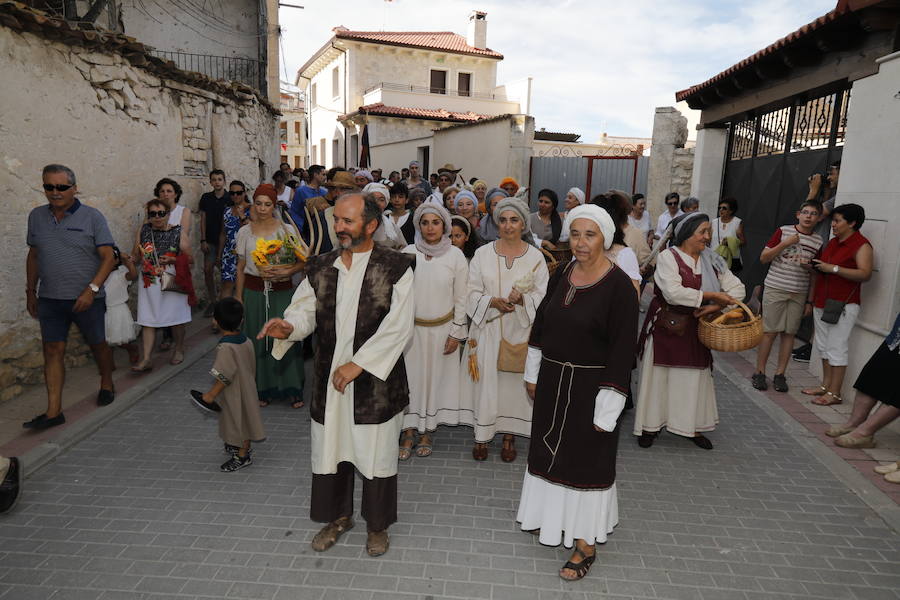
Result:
{"points": [[507, 281], [676, 384], [432, 357]]}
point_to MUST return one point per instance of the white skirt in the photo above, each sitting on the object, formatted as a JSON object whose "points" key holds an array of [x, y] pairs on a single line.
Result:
{"points": [[157, 308], [566, 514], [433, 379], [120, 328]]}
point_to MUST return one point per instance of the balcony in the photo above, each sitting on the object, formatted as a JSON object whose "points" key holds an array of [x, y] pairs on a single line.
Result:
{"points": [[230, 68], [413, 96]]}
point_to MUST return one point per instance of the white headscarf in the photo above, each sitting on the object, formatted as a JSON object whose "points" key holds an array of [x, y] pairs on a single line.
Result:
{"points": [[579, 195], [364, 173], [516, 205], [444, 244], [598, 216], [378, 187]]}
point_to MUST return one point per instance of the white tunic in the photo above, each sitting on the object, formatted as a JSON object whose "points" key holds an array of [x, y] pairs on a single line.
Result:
{"points": [[434, 377], [371, 448], [498, 402]]}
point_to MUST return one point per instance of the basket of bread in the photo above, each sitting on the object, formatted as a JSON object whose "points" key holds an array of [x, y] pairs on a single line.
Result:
{"points": [[731, 330]]}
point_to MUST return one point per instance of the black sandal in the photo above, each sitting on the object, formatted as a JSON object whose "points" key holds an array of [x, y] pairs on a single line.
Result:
{"points": [[646, 439], [581, 569]]}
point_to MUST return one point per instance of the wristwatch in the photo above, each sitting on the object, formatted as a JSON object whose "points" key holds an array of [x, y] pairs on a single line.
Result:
{"points": [[834, 269], [94, 287]]}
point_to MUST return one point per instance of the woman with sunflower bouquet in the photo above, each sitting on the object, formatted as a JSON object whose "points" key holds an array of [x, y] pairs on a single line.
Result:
{"points": [[269, 253]]}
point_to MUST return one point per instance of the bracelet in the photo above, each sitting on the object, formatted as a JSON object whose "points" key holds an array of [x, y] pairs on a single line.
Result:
{"points": [[809, 301]]}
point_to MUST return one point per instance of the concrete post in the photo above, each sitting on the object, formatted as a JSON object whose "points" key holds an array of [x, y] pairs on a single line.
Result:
{"points": [[669, 133], [709, 167]]}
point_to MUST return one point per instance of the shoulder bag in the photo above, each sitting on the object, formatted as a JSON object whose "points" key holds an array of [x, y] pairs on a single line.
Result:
{"points": [[833, 309], [511, 357]]}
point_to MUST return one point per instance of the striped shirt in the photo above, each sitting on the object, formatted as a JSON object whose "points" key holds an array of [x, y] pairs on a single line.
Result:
{"points": [[67, 250], [789, 271]]}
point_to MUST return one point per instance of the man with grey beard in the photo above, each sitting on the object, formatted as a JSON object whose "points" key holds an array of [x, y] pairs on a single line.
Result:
{"points": [[360, 387]]}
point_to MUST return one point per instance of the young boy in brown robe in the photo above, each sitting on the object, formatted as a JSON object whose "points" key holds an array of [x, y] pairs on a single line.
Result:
{"points": [[233, 396]]}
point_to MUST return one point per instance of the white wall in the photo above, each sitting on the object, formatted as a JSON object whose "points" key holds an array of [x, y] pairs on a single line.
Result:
{"points": [[489, 151], [450, 102], [324, 112]]}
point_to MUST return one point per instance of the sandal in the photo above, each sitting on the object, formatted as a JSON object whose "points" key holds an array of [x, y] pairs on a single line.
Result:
{"points": [[480, 451], [508, 452], [263, 403], [827, 399], [329, 535], [819, 391], [406, 451], [581, 568], [165, 345], [424, 447], [177, 358], [146, 368]]}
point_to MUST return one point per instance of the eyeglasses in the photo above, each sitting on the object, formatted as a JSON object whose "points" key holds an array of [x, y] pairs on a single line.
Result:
{"points": [[59, 187], [671, 203], [155, 214]]}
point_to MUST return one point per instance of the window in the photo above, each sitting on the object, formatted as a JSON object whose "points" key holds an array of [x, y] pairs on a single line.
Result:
{"points": [[297, 164], [322, 150], [298, 139], [354, 150], [312, 96], [464, 84], [335, 152], [438, 82], [284, 158], [336, 82], [423, 155], [312, 157], [283, 132]]}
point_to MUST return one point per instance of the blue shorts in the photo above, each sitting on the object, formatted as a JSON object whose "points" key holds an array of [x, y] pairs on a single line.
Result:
{"points": [[56, 316]]}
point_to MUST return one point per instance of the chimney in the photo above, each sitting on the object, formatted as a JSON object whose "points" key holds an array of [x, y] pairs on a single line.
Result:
{"points": [[477, 35]]}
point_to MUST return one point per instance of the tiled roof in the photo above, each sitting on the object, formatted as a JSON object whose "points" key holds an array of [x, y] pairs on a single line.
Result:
{"points": [[432, 40], [432, 114], [20, 17], [791, 38]]}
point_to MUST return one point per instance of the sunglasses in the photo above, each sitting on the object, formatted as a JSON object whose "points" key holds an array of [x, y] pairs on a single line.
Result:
{"points": [[671, 204], [237, 193], [59, 187], [155, 214], [724, 208]]}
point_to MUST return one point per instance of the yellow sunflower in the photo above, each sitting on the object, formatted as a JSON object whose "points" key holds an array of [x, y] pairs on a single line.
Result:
{"points": [[259, 257], [273, 246]]}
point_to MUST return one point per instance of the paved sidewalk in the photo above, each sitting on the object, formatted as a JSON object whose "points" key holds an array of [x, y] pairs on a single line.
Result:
{"points": [[139, 510]]}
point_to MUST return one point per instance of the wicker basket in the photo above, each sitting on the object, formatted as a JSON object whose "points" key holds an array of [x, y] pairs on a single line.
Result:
{"points": [[731, 338], [562, 253], [552, 263]]}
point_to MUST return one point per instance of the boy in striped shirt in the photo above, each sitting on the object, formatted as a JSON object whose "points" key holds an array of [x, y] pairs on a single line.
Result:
{"points": [[785, 300]]}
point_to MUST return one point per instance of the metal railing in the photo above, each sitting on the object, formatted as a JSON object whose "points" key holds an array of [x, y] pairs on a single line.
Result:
{"points": [[426, 89], [231, 68]]}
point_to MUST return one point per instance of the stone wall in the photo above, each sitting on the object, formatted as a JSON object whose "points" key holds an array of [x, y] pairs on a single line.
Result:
{"points": [[121, 128], [671, 164]]}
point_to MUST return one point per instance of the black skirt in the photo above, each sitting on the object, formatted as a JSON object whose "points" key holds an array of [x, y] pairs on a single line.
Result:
{"points": [[875, 377]]}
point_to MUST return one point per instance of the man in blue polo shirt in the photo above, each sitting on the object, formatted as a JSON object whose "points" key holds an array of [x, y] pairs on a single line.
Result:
{"points": [[313, 189], [70, 254]]}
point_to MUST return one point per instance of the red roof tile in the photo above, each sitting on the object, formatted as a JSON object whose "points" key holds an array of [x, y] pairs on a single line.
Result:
{"points": [[791, 38], [435, 114], [433, 40]]}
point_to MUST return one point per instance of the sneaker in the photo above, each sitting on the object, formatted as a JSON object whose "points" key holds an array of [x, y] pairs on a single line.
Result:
{"points": [[802, 353], [41, 422], [207, 407], [236, 462], [779, 382], [759, 381]]}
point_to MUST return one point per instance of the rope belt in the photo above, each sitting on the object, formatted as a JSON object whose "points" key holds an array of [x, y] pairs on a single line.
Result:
{"points": [[554, 448], [435, 322]]}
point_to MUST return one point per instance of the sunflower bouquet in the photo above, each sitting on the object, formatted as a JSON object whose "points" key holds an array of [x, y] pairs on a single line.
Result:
{"points": [[283, 250]]}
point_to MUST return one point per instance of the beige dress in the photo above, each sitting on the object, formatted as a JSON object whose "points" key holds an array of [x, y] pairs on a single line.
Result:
{"points": [[235, 366]]}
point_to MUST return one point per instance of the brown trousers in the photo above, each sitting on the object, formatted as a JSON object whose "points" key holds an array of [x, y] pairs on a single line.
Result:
{"points": [[332, 498]]}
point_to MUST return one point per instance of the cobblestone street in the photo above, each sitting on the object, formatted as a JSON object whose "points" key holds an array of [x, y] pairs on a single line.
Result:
{"points": [[140, 510]]}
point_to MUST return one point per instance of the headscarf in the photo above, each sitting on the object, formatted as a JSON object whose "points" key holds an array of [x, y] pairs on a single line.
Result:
{"points": [[494, 192], [579, 195], [596, 214], [516, 205], [462, 222], [479, 182], [378, 187], [266, 189], [364, 173], [511, 180], [444, 244], [711, 264], [465, 194], [488, 227]]}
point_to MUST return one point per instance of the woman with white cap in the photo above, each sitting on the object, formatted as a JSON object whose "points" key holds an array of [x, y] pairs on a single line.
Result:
{"points": [[387, 234], [676, 384], [507, 280], [574, 198], [432, 357], [579, 365]]}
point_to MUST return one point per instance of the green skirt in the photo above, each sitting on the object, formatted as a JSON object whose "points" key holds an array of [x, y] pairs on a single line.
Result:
{"points": [[275, 379]]}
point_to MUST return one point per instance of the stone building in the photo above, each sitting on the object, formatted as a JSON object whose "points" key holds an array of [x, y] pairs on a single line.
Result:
{"points": [[826, 92], [386, 92], [108, 106]]}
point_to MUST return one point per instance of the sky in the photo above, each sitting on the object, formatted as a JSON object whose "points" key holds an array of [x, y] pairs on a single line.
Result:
{"points": [[597, 65]]}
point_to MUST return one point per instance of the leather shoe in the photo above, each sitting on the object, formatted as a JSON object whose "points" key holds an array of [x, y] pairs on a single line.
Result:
{"points": [[377, 543], [508, 454], [11, 485], [646, 439], [105, 397], [480, 452], [44, 422], [702, 442], [329, 535]]}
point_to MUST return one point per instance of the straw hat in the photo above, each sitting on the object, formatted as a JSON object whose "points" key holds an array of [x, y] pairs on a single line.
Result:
{"points": [[449, 167], [342, 180]]}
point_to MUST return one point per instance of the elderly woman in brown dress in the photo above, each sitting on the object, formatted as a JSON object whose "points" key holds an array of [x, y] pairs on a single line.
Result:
{"points": [[579, 363]]}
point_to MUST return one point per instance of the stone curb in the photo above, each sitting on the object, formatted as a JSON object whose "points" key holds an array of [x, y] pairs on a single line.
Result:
{"points": [[45, 453], [874, 498]]}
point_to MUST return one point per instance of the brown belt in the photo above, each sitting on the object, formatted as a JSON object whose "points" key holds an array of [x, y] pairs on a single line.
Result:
{"points": [[435, 322], [258, 284]]}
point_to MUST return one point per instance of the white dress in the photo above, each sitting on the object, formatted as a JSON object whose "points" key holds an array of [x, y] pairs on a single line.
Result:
{"points": [[157, 308], [498, 402], [643, 223], [119, 322], [434, 377], [372, 449], [681, 399]]}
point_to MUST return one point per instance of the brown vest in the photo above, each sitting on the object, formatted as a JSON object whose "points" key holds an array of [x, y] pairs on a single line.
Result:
{"points": [[374, 401]]}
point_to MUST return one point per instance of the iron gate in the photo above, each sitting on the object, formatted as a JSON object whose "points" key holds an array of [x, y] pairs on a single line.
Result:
{"points": [[769, 159]]}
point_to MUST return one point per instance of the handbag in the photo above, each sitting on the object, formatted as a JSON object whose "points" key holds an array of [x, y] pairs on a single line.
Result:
{"points": [[672, 321], [511, 357], [167, 282], [833, 309]]}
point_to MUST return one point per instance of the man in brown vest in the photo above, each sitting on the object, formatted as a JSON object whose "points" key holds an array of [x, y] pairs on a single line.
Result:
{"points": [[360, 387]]}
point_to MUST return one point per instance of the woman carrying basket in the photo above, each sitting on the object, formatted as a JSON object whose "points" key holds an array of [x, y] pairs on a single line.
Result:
{"points": [[676, 385]]}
